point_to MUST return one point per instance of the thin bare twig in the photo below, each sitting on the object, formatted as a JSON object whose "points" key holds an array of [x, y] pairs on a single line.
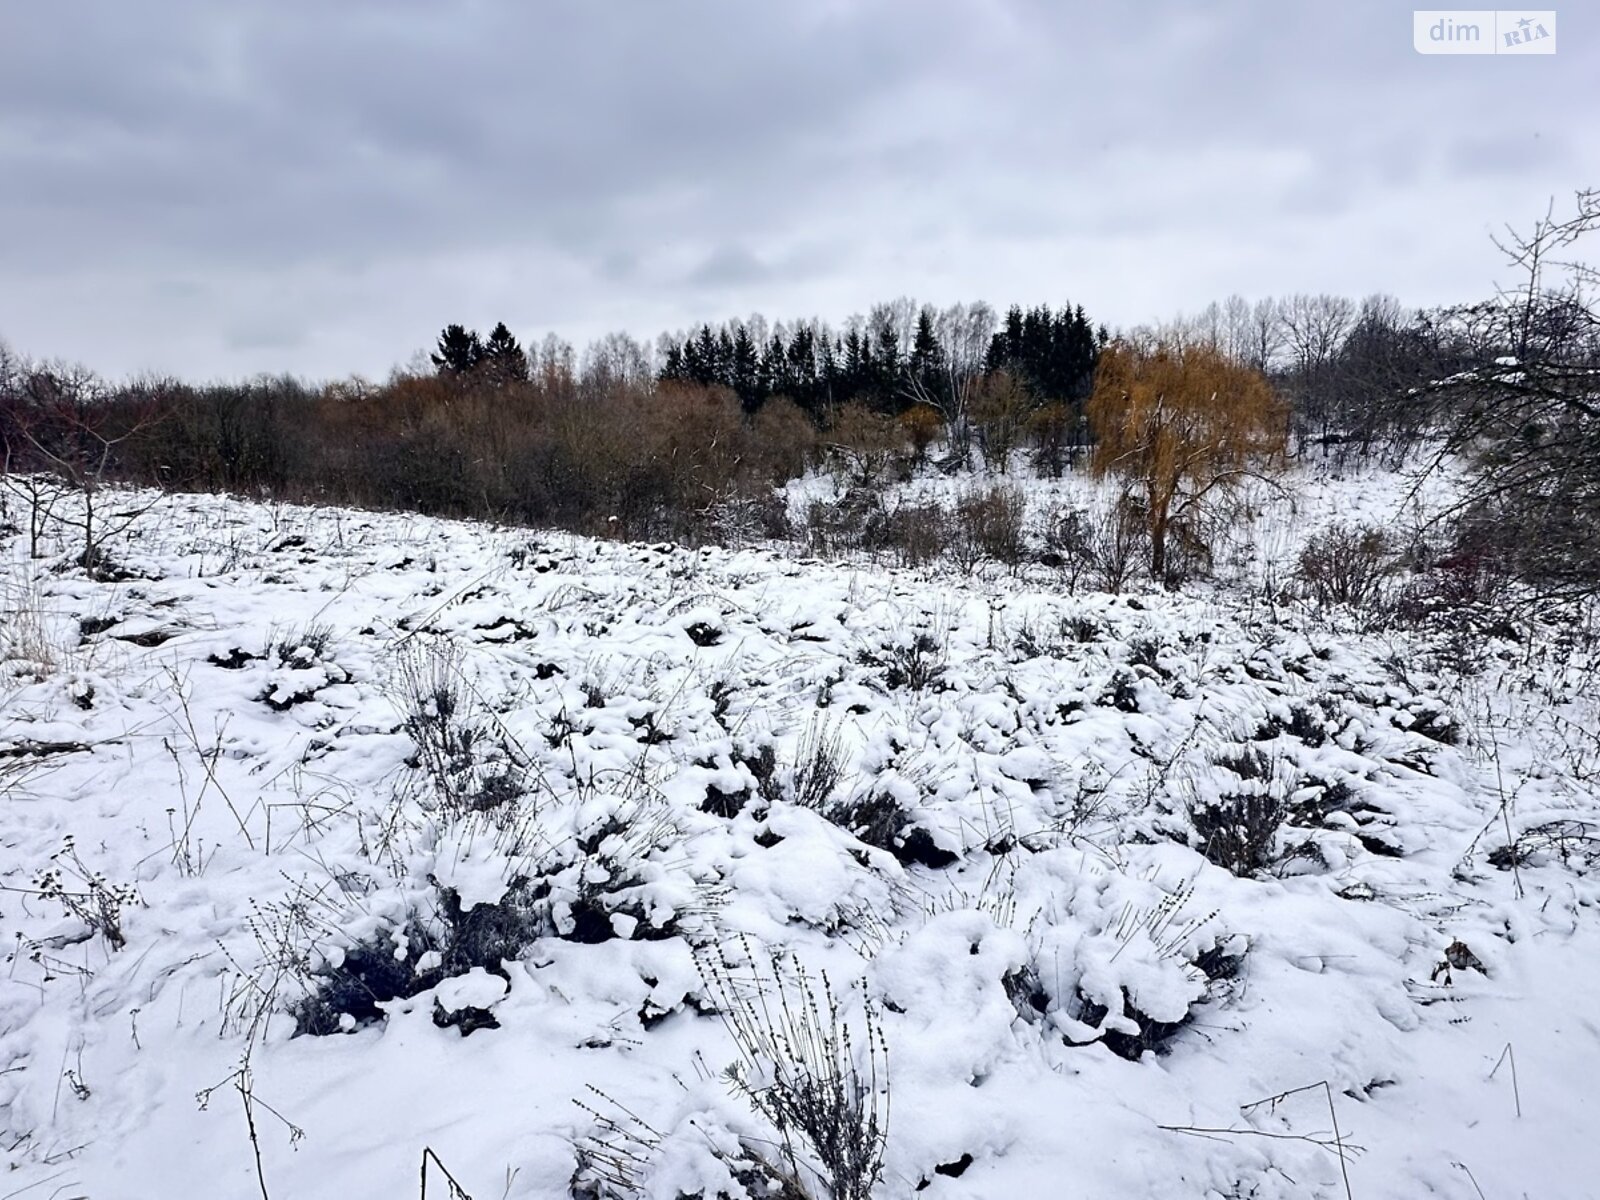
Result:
{"points": [[457, 1192], [1510, 1055]]}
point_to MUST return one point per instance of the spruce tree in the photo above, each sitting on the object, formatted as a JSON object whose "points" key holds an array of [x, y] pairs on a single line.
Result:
{"points": [[773, 375], [705, 369], [828, 376], [926, 366], [673, 370], [743, 369], [459, 351], [801, 368], [724, 359], [855, 368], [886, 371], [503, 359]]}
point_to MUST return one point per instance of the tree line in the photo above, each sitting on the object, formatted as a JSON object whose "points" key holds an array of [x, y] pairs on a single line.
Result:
{"points": [[632, 440], [899, 356], [1349, 369]]}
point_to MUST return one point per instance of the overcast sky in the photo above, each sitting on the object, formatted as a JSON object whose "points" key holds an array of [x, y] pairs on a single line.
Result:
{"points": [[217, 189]]}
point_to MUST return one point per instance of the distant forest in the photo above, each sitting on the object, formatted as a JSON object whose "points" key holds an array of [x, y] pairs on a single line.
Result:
{"points": [[686, 439], [633, 440], [1049, 352]]}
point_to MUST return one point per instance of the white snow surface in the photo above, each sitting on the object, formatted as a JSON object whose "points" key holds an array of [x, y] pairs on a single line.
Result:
{"points": [[219, 750]]}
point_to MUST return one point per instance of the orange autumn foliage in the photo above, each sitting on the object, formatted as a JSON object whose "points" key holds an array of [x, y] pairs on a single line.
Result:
{"points": [[1178, 422]]}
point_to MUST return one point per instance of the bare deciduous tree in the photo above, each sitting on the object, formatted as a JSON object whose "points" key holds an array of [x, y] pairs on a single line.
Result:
{"points": [[1314, 327], [963, 332], [1383, 362], [1530, 417], [618, 360], [59, 425], [999, 410], [1265, 334]]}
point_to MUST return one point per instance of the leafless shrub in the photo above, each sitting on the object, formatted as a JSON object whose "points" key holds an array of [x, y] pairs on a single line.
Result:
{"points": [[800, 1066], [1082, 628], [86, 893], [615, 1154], [818, 765], [1522, 411], [740, 519], [614, 1158], [1466, 585], [784, 440], [1118, 544], [917, 664], [28, 647], [1571, 842], [59, 423], [469, 769], [1069, 545], [837, 527], [1189, 540], [1346, 564], [865, 444], [1000, 409], [1056, 431], [39, 494], [988, 524], [309, 642], [917, 533], [302, 665], [923, 424]]}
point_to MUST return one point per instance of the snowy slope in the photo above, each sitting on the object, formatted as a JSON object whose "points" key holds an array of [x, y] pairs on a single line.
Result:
{"points": [[548, 785]]}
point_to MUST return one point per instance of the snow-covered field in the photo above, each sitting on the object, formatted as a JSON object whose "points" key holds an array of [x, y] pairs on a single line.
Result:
{"points": [[558, 798]]}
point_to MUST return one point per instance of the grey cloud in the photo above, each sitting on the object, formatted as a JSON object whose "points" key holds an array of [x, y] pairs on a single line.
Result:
{"points": [[267, 335], [729, 265], [618, 266], [1503, 153], [369, 170]]}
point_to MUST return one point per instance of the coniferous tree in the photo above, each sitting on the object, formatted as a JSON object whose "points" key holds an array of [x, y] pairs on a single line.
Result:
{"points": [[773, 373], [743, 369], [926, 366], [459, 350], [503, 359], [1052, 353], [801, 368], [899, 356], [884, 385], [1083, 352], [724, 358], [828, 374], [674, 368], [703, 368], [855, 368]]}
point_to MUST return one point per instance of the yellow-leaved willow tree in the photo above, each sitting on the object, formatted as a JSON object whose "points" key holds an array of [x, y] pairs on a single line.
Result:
{"points": [[1178, 422]]}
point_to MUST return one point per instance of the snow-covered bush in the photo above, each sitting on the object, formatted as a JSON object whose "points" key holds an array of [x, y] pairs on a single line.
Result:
{"points": [[300, 666], [1237, 826], [1117, 960], [818, 766], [468, 768]]}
